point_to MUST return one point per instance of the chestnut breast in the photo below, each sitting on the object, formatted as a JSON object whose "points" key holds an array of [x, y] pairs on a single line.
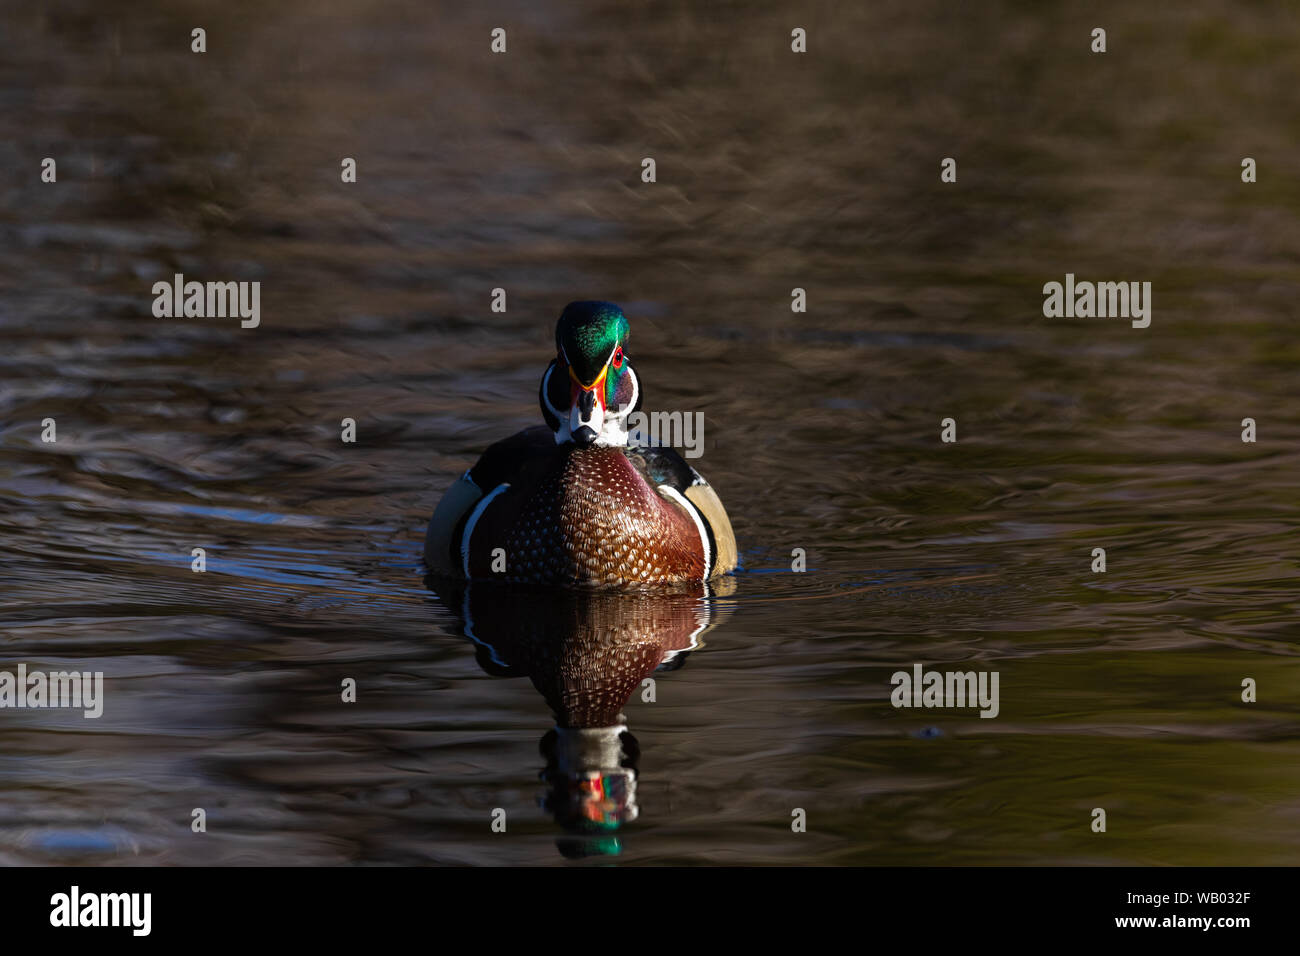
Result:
{"points": [[588, 516]]}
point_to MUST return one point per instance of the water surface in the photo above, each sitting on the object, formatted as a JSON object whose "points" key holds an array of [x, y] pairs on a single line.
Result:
{"points": [[1118, 690]]}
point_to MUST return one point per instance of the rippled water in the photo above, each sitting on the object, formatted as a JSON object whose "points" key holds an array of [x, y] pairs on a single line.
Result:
{"points": [[1118, 690]]}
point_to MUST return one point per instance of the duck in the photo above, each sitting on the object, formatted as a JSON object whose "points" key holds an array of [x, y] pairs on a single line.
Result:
{"points": [[583, 500], [586, 651]]}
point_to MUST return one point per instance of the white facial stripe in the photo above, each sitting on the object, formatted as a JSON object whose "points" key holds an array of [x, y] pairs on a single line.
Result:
{"points": [[610, 357], [562, 433], [616, 433]]}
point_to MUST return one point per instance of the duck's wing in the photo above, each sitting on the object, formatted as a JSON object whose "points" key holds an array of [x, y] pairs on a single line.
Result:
{"points": [[676, 480], [498, 466]]}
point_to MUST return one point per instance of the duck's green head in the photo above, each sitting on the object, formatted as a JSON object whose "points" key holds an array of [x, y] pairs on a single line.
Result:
{"points": [[590, 388]]}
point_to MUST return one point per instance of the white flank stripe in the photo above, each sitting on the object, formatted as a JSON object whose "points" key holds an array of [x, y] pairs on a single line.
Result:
{"points": [[473, 520], [691, 510]]}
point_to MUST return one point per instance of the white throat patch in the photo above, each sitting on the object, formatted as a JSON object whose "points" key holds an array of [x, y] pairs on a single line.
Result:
{"points": [[610, 425]]}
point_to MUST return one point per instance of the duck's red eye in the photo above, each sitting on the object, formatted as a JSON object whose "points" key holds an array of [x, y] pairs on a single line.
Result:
{"points": [[618, 357]]}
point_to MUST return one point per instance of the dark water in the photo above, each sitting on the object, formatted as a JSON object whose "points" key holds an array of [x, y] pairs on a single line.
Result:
{"points": [[1119, 690]]}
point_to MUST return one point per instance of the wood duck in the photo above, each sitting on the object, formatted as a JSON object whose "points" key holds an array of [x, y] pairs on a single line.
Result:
{"points": [[587, 651], [571, 502]]}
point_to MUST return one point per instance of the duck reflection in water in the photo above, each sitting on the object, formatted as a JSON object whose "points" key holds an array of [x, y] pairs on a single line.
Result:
{"points": [[586, 652]]}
